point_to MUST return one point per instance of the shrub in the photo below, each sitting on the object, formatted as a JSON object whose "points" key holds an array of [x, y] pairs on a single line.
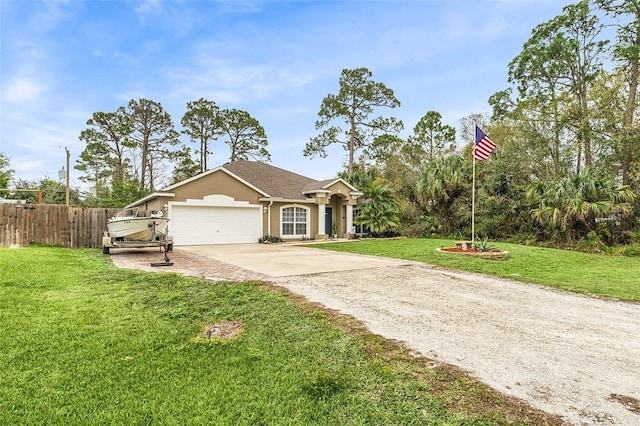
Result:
{"points": [[269, 239], [632, 250], [483, 244], [591, 243], [388, 233], [413, 230]]}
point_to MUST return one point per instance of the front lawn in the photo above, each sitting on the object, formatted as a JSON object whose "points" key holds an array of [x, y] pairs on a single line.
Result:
{"points": [[85, 343], [596, 274]]}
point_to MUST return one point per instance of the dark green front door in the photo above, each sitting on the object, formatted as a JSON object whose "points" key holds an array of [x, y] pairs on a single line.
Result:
{"points": [[328, 219]]}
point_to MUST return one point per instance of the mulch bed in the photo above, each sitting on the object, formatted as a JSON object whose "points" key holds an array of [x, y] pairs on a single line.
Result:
{"points": [[494, 254]]}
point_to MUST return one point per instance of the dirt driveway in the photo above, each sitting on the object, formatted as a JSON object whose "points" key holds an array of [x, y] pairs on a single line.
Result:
{"points": [[563, 353]]}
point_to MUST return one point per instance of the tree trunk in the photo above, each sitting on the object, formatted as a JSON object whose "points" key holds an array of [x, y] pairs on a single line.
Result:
{"points": [[579, 155], [629, 113], [203, 156], [233, 152], [143, 165], [352, 135]]}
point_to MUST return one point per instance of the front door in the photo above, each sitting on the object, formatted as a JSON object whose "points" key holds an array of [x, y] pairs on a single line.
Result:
{"points": [[328, 220]]}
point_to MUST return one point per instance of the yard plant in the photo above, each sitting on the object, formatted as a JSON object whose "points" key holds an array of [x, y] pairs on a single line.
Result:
{"points": [[596, 274], [86, 343]]}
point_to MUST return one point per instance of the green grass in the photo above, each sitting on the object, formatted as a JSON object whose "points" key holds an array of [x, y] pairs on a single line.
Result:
{"points": [[596, 274], [85, 343]]}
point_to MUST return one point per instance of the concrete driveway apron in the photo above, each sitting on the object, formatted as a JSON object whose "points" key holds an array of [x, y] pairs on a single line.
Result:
{"points": [[283, 260]]}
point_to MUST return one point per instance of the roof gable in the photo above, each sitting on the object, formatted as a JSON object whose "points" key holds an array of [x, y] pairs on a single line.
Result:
{"points": [[324, 185], [209, 172]]}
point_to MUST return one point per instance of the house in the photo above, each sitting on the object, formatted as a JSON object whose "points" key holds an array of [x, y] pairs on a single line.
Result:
{"points": [[241, 201]]}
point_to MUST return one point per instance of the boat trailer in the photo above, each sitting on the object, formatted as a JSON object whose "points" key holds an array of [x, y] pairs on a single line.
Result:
{"points": [[165, 244]]}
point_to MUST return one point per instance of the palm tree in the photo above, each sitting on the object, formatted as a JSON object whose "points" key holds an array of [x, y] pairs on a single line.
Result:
{"points": [[381, 210], [360, 177], [570, 206], [442, 178], [442, 182]]}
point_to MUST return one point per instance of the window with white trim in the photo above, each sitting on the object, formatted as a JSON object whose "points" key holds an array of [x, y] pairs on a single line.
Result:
{"points": [[295, 221]]}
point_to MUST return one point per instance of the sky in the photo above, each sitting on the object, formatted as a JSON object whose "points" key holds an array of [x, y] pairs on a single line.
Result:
{"points": [[61, 61]]}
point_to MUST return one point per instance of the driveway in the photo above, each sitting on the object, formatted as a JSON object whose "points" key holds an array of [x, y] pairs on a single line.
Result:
{"points": [[566, 354], [283, 260]]}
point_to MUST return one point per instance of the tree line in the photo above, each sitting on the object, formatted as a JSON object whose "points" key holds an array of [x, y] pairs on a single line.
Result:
{"points": [[136, 149], [566, 167], [129, 151]]}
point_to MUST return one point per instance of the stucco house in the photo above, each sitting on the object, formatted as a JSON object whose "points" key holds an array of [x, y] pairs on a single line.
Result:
{"points": [[241, 201]]}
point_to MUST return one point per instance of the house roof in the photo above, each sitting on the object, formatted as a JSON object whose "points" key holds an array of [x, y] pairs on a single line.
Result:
{"points": [[317, 185], [268, 180], [276, 182]]}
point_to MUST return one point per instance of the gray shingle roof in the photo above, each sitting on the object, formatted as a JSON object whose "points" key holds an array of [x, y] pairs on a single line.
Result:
{"points": [[274, 181], [317, 184]]}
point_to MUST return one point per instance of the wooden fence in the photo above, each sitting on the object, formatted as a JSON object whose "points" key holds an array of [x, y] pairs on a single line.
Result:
{"points": [[88, 226], [24, 224]]}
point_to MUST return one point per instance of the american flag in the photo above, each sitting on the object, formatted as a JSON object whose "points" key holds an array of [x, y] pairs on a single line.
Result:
{"points": [[483, 146]]}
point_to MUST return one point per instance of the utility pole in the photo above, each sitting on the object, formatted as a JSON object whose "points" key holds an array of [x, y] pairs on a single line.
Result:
{"points": [[67, 177]]}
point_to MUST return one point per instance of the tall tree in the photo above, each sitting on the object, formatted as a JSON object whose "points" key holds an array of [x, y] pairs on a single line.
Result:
{"points": [[535, 130], [244, 135], [185, 167], [108, 148], [560, 61], [468, 126], [201, 123], [356, 100], [6, 174], [626, 50], [381, 149], [394, 162], [359, 177], [443, 181], [430, 138], [154, 134], [608, 97]]}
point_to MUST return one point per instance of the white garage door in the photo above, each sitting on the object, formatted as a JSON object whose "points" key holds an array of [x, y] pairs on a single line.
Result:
{"points": [[214, 220]]}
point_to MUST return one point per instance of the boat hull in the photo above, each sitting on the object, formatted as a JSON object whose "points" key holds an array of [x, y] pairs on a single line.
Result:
{"points": [[138, 228]]}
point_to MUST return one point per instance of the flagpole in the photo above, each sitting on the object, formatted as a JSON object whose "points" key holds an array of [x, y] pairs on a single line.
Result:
{"points": [[482, 147], [473, 202]]}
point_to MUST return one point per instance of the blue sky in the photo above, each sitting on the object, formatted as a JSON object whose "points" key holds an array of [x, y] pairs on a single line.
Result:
{"points": [[61, 61]]}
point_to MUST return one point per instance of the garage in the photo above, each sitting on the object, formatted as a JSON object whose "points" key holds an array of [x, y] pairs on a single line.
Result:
{"points": [[215, 219]]}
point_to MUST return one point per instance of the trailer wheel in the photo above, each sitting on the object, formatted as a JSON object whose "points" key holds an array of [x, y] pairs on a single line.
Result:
{"points": [[105, 250]]}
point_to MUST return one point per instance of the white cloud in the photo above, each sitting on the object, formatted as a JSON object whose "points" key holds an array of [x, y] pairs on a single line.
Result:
{"points": [[176, 17], [149, 7], [35, 140], [229, 80], [52, 13], [153, 46], [240, 7], [22, 90]]}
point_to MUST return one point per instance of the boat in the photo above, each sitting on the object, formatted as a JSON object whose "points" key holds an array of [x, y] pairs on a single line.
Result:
{"points": [[131, 225]]}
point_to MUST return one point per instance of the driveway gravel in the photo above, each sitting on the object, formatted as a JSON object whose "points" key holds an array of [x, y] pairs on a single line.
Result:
{"points": [[567, 354]]}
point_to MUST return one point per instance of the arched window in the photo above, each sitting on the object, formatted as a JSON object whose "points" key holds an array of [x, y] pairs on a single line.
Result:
{"points": [[294, 222]]}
